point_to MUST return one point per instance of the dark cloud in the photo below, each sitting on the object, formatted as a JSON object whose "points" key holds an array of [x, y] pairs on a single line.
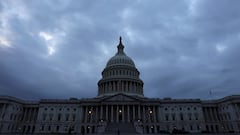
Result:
{"points": [[57, 49]]}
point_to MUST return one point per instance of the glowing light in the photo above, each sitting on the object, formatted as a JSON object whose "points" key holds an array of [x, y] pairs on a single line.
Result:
{"points": [[4, 42], [193, 7], [220, 48], [51, 50], [46, 36], [50, 41], [120, 111]]}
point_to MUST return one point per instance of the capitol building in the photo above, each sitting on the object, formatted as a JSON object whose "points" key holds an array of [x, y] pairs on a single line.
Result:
{"points": [[120, 107]]}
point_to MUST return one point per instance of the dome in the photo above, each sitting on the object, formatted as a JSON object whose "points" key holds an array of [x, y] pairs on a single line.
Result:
{"points": [[120, 76], [120, 58]]}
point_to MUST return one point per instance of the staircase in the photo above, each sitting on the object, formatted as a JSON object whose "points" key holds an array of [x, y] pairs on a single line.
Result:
{"points": [[123, 128]]}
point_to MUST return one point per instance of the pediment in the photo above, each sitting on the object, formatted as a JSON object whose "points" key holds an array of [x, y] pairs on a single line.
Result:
{"points": [[120, 97]]}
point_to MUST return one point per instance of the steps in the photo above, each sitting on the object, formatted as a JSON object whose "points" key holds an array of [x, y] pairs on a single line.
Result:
{"points": [[123, 128]]}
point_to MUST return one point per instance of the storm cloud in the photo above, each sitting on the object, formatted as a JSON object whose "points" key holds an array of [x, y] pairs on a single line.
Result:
{"points": [[58, 49]]}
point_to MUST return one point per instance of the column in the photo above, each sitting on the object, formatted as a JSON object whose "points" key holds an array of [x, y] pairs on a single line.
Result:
{"points": [[205, 114], [33, 115], [144, 114], [237, 110], [133, 112], [91, 115], [25, 114], [211, 115], [101, 112], [86, 114], [216, 114], [96, 116], [113, 88], [117, 114], [130, 86], [123, 113], [3, 109], [122, 86], [81, 113], [30, 114], [107, 112], [128, 112], [139, 114], [154, 114], [111, 113]]}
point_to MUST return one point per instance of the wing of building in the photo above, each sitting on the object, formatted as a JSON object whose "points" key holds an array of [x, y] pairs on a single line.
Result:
{"points": [[119, 107]]}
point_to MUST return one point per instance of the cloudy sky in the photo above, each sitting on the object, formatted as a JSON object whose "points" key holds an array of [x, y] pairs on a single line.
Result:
{"points": [[58, 48]]}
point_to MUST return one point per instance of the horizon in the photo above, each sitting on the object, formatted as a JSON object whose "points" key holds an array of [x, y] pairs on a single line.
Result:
{"points": [[58, 49]]}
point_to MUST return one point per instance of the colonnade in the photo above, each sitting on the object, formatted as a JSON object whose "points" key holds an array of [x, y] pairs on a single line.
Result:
{"points": [[30, 114], [120, 86], [3, 109], [211, 114], [119, 113]]}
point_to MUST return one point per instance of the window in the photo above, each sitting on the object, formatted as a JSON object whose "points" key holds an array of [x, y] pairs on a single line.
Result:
{"points": [[59, 117], [50, 117], [166, 109], [166, 117], [11, 116], [173, 116], [191, 128], [49, 128], [229, 116], [44, 116], [57, 128], [67, 117], [198, 127], [190, 116], [196, 116], [73, 117], [181, 116], [42, 128]]}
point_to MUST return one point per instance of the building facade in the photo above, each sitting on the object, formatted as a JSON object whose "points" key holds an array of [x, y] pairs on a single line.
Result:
{"points": [[120, 106]]}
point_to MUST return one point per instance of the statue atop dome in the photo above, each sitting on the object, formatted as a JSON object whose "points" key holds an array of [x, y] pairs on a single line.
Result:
{"points": [[120, 46]]}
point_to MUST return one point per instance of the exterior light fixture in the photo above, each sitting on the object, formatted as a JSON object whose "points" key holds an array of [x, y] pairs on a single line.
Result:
{"points": [[89, 112], [120, 111]]}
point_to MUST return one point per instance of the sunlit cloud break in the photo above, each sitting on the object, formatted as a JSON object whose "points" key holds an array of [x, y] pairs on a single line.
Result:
{"points": [[4, 42]]}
